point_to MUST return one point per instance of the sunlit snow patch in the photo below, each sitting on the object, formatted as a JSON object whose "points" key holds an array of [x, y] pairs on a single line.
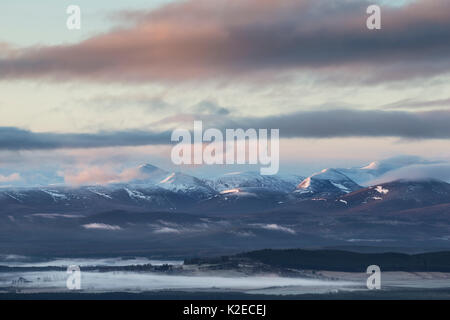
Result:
{"points": [[381, 190]]}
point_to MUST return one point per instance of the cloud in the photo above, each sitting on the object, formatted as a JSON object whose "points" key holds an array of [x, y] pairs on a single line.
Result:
{"points": [[152, 104], [12, 138], [277, 227], [11, 178], [101, 226], [210, 107], [438, 171], [166, 230], [353, 123], [108, 102], [100, 175], [56, 215], [309, 124], [201, 39], [94, 175], [411, 103]]}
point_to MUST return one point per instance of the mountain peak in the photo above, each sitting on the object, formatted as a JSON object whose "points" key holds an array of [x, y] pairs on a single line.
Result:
{"points": [[326, 182], [372, 166], [148, 167], [330, 174]]}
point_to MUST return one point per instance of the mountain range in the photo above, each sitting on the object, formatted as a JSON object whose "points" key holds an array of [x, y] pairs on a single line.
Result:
{"points": [[156, 189], [175, 213]]}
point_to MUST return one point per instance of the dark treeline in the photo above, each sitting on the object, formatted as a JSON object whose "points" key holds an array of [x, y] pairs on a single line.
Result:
{"points": [[336, 260], [137, 268]]}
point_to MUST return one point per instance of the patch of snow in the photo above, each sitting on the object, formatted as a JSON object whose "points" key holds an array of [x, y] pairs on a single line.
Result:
{"points": [[104, 195], [230, 191], [381, 190], [302, 191], [341, 187], [371, 166], [13, 197], [251, 179], [55, 195], [137, 195], [305, 183], [233, 173]]}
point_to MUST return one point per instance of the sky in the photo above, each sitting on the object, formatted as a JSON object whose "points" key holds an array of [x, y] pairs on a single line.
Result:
{"points": [[107, 96]]}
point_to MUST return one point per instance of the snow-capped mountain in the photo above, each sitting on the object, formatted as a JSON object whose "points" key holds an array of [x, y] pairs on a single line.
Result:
{"points": [[333, 181], [250, 179], [180, 182], [326, 183], [150, 174], [151, 177]]}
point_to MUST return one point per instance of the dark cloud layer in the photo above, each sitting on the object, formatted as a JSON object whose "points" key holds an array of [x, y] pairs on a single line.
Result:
{"points": [[349, 123], [199, 39], [12, 138], [314, 124]]}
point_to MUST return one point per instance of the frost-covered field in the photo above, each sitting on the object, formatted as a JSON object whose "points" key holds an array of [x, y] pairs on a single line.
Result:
{"points": [[133, 281], [189, 280], [398, 279], [120, 281], [51, 281]]}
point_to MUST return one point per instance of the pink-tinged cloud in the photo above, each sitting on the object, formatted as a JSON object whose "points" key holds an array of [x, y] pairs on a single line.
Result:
{"points": [[204, 39], [100, 175], [10, 178]]}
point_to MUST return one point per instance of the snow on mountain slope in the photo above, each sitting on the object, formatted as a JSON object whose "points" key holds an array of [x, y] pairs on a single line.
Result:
{"points": [[55, 194], [99, 193], [250, 179], [325, 183], [134, 194], [154, 177], [153, 187], [180, 182]]}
